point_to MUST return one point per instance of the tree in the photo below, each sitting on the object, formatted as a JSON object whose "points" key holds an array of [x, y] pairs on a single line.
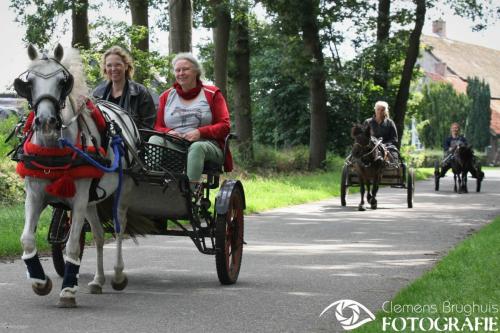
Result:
{"points": [[303, 16], [221, 33], [412, 53], [41, 24], [439, 107], [242, 104], [139, 13], [80, 24], [477, 129], [382, 61], [181, 21]]}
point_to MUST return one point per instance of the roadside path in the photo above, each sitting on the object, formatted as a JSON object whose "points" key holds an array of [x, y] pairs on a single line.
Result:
{"points": [[298, 260]]}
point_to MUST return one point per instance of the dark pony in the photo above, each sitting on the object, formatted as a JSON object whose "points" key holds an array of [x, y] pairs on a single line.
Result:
{"points": [[461, 164], [368, 159]]}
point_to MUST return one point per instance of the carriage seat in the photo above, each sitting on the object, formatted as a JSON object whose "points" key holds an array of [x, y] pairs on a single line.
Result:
{"points": [[213, 170]]}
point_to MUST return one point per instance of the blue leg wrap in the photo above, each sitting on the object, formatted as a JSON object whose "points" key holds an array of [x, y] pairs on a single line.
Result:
{"points": [[35, 269], [70, 275]]}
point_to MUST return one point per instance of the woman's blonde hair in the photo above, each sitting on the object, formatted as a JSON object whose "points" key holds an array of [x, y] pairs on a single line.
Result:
{"points": [[191, 58], [126, 58], [383, 105]]}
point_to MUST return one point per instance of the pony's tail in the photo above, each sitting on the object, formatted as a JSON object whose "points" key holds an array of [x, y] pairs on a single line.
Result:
{"points": [[137, 225]]}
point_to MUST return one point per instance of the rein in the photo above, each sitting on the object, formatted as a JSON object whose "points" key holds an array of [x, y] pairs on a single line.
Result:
{"points": [[119, 151], [378, 144]]}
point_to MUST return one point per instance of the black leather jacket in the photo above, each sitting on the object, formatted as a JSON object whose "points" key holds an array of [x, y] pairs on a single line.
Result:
{"points": [[385, 130], [136, 99]]}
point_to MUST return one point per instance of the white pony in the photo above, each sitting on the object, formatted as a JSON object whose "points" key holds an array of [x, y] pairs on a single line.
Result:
{"points": [[56, 92]]}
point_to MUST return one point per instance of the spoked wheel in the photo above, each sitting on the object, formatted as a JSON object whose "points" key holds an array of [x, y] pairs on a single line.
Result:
{"points": [[436, 175], [410, 187], [59, 233], [229, 239], [343, 185], [479, 178]]}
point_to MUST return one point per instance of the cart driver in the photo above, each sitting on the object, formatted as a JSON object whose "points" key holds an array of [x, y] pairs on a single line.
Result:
{"points": [[383, 127]]}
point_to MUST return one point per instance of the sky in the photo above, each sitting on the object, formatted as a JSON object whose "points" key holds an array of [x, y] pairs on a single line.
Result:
{"points": [[14, 58]]}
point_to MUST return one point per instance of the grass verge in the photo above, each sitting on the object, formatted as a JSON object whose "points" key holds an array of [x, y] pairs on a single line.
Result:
{"points": [[464, 284], [262, 193]]}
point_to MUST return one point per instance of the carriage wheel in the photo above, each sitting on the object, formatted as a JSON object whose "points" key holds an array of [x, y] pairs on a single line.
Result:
{"points": [[60, 226], [410, 187], [479, 179], [436, 175], [343, 186], [229, 239]]}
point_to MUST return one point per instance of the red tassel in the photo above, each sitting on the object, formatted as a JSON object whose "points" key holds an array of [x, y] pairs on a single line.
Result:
{"points": [[63, 187], [29, 122], [97, 116]]}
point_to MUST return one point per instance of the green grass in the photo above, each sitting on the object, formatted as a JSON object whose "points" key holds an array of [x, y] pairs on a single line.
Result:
{"points": [[262, 193], [468, 275], [11, 228], [279, 191]]}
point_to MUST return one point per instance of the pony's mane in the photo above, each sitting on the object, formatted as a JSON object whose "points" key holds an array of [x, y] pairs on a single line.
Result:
{"points": [[73, 62], [357, 129]]}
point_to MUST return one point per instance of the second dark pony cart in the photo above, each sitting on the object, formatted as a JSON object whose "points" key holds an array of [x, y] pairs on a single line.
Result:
{"points": [[394, 176], [164, 192]]}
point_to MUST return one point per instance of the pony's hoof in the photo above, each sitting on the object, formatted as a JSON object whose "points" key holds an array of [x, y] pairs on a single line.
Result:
{"points": [[361, 208], [42, 289], [94, 288], [373, 205], [119, 285], [66, 302]]}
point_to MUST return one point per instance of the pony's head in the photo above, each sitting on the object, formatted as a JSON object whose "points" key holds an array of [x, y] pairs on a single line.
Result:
{"points": [[463, 153], [45, 85], [361, 134]]}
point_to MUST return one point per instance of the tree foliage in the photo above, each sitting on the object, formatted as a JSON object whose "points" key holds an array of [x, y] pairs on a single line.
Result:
{"points": [[439, 107], [477, 129]]}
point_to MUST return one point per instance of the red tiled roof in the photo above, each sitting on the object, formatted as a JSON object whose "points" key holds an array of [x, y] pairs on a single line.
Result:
{"points": [[457, 83], [467, 60], [495, 116]]}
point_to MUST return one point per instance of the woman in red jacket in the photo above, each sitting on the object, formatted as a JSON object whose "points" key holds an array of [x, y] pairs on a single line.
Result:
{"points": [[196, 112]]}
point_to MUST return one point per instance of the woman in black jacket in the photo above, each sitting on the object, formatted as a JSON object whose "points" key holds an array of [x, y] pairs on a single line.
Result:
{"points": [[118, 68]]}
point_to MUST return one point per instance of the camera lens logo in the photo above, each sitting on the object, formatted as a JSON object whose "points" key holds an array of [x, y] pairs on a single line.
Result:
{"points": [[344, 308]]}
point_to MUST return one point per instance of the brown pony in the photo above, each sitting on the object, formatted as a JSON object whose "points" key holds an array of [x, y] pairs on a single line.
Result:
{"points": [[461, 164], [368, 157]]}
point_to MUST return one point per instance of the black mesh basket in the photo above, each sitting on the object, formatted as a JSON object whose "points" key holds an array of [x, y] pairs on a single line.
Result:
{"points": [[159, 158]]}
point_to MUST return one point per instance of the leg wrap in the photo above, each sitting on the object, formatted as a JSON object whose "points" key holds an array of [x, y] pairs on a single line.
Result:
{"points": [[35, 269], [70, 275]]}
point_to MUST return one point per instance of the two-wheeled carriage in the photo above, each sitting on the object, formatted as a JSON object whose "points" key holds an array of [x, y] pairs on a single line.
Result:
{"points": [[164, 196], [395, 176]]}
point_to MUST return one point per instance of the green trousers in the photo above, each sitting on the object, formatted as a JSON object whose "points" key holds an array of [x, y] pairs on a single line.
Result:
{"points": [[197, 153]]}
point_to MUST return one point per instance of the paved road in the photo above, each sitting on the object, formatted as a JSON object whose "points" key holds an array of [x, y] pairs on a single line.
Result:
{"points": [[298, 260]]}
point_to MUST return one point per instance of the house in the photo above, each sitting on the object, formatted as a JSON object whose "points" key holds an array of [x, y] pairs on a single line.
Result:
{"points": [[446, 60]]}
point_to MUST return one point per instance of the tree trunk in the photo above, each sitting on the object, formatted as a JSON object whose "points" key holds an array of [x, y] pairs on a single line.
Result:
{"points": [[139, 11], [382, 63], [317, 89], [181, 19], [242, 104], [80, 24], [411, 57], [221, 40]]}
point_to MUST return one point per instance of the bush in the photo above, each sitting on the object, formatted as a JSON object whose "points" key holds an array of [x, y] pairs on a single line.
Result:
{"points": [[11, 186]]}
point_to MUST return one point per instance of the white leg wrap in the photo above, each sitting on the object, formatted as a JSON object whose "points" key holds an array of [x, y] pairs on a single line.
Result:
{"points": [[74, 262], [29, 255], [68, 292]]}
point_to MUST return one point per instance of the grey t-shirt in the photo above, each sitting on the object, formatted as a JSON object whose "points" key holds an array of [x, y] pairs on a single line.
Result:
{"points": [[184, 118]]}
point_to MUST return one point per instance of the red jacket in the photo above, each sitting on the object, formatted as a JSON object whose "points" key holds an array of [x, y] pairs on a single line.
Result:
{"points": [[219, 128]]}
